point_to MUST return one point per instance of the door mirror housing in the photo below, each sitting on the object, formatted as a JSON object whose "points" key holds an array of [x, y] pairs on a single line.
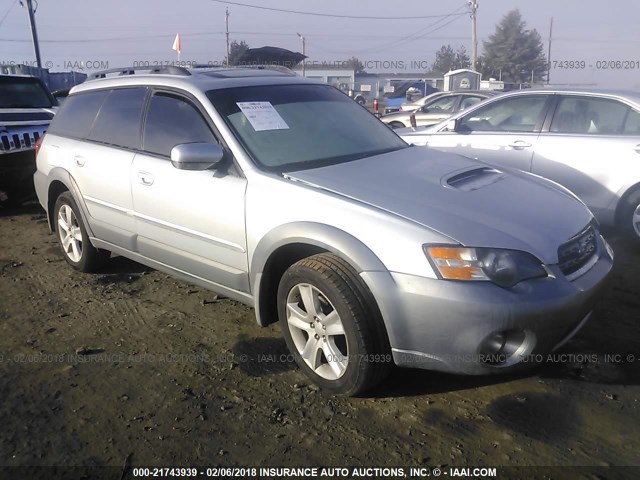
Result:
{"points": [[452, 125], [196, 156]]}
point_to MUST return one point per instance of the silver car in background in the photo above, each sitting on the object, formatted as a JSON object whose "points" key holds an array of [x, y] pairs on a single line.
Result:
{"points": [[442, 106], [288, 196], [586, 140]]}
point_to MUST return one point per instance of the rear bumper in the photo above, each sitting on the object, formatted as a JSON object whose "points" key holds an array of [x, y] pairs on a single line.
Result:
{"points": [[447, 325]]}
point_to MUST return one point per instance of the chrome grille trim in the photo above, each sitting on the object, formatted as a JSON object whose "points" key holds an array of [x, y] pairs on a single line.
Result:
{"points": [[579, 254], [16, 140]]}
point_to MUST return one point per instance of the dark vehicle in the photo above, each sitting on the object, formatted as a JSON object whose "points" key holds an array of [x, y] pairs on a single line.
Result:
{"points": [[26, 109]]}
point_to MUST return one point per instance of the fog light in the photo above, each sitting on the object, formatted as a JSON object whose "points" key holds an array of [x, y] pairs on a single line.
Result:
{"points": [[505, 348]]}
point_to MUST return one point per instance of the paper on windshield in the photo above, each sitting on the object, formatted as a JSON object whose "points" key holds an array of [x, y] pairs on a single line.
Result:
{"points": [[262, 116]]}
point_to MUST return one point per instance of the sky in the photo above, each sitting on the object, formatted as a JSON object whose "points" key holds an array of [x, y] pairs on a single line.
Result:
{"points": [[94, 35]]}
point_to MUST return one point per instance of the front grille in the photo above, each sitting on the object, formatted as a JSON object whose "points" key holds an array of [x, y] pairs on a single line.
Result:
{"points": [[23, 139], [577, 252]]}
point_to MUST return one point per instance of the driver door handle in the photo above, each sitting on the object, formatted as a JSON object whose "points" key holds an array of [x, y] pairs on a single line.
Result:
{"points": [[519, 144], [637, 149], [145, 178]]}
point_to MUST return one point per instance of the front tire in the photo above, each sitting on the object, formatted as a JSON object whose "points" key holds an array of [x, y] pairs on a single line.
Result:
{"points": [[630, 215], [332, 326], [396, 124], [73, 238]]}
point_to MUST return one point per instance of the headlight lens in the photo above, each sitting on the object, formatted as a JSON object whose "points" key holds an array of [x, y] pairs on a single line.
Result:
{"points": [[502, 267]]}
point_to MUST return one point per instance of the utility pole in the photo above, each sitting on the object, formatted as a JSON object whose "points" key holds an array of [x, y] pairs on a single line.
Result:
{"points": [[226, 21], [549, 54], [473, 4], [304, 60], [34, 32]]}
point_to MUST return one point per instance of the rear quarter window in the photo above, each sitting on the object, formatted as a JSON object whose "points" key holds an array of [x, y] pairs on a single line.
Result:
{"points": [[76, 115]]}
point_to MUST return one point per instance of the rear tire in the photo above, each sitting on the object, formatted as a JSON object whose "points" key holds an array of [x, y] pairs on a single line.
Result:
{"points": [[73, 238], [332, 326]]}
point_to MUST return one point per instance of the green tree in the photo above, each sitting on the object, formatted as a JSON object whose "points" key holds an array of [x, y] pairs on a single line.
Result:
{"points": [[448, 59], [513, 52], [236, 49], [356, 64]]}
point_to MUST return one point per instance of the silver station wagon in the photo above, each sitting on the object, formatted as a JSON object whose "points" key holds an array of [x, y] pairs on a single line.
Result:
{"points": [[586, 140], [286, 195]]}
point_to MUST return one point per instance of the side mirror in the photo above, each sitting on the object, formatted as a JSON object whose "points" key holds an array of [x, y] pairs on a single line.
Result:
{"points": [[412, 120], [452, 126], [196, 156]]}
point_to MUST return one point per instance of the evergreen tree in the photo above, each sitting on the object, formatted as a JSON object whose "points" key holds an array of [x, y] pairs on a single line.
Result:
{"points": [[236, 49], [448, 59], [513, 52]]}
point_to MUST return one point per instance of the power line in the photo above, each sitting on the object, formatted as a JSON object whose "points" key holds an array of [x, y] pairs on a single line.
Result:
{"points": [[316, 14], [6, 14], [422, 33]]}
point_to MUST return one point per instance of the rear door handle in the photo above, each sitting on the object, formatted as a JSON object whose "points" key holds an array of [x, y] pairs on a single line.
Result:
{"points": [[145, 178], [80, 160], [637, 149], [519, 144]]}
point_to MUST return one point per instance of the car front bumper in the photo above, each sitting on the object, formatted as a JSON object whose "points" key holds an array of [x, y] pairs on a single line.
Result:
{"points": [[452, 326]]}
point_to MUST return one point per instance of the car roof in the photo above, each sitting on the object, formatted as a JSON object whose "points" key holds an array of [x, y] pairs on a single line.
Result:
{"points": [[577, 90], [203, 79]]}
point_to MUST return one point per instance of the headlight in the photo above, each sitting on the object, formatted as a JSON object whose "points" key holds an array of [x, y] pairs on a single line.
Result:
{"points": [[502, 267]]}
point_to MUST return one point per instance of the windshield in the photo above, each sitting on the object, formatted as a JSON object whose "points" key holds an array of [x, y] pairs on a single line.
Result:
{"points": [[23, 92], [295, 127]]}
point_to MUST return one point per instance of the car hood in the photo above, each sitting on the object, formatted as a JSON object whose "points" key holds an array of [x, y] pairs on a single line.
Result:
{"points": [[470, 202]]}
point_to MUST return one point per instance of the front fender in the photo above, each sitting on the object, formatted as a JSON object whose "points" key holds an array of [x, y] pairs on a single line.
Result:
{"points": [[322, 236]]}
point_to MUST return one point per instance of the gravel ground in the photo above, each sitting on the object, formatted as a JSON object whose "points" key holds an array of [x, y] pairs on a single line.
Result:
{"points": [[131, 367]]}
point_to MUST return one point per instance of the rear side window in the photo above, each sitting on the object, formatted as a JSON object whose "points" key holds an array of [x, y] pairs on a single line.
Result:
{"points": [[173, 121], [632, 124], [77, 113], [118, 121], [469, 102], [589, 115]]}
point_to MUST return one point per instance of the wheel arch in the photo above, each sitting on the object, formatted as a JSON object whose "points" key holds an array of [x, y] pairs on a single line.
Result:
{"points": [[622, 202], [287, 244], [60, 180]]}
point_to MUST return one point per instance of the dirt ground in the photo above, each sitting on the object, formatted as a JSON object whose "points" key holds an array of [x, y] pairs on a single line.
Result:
{"points": [[132, 367]]}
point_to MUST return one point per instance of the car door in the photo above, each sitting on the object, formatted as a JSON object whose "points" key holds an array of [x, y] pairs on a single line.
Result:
{"points": [[591, 146], [108, 124], [437, 110], [503, 132], [193, 221]]}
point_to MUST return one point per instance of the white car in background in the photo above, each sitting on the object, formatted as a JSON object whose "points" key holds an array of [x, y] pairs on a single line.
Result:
{"points": [[586, 140]]}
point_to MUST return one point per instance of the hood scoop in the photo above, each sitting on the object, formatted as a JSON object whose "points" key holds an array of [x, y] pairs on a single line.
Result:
{"points": [[473, 179]]}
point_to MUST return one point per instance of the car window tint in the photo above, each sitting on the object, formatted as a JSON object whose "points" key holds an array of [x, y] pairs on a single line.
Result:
{"points": [[513, 114], [589, 115], [632, 124], [118, 121], [76, 115], [441, 105], [173, 121], [469, 101]]}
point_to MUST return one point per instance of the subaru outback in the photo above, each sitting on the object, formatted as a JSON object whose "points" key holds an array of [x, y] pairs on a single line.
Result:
{"points": [[284, 194]]}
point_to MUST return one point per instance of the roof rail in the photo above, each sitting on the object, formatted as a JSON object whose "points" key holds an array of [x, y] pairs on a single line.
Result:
{"points": [[168, 70]]}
